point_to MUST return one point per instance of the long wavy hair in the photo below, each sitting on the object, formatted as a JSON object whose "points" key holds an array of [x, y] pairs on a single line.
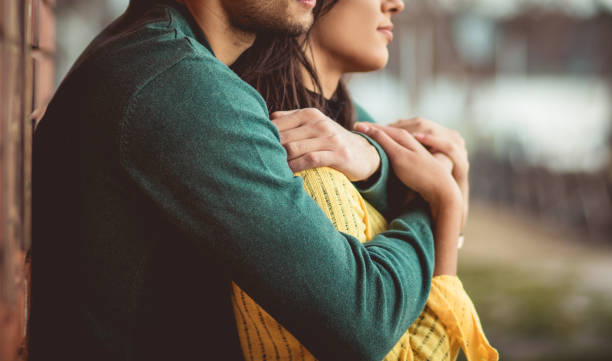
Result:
{"points": [[273, 66]]}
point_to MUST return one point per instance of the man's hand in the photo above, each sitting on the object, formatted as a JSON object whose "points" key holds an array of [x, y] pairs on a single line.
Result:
{"points": [[442, 141], [314, 140]]}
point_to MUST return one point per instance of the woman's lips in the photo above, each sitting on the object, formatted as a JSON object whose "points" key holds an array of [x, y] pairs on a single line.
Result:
{"points": [[308, 3], [387, 31]]}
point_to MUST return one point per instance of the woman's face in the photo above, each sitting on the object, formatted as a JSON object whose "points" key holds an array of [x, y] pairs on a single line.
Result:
{"points": [[353, 36]]}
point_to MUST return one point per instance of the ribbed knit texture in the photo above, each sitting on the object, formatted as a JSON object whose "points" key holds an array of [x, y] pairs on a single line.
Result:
{"points": [[448, 322]]}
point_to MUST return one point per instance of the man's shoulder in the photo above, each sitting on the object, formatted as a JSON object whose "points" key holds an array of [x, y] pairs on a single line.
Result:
{"points": [[183, 61], [135, 51], [159, 61]]}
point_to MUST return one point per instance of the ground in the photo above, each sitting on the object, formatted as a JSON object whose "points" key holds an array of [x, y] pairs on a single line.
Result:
{"points": [[542, 292]]}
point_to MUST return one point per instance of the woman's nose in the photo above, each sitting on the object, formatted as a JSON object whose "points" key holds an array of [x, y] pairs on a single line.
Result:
{"points": [[392, 6]]}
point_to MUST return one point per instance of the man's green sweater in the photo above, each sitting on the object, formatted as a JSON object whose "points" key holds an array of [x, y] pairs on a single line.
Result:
{"points": [[158, 179]]}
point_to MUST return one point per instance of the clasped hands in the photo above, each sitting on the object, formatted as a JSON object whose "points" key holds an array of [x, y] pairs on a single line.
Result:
{"points": [[427, 157]]}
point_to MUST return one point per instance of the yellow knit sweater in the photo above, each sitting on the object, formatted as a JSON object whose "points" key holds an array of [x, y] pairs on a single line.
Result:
{"points": [[448, 322]]}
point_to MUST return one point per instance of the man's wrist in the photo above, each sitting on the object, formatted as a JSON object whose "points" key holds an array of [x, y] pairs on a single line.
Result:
{"points": [[375, 161], [374, 174]]}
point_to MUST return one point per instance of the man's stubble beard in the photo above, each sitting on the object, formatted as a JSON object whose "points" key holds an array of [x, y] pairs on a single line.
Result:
{"points": [[265, 16]]}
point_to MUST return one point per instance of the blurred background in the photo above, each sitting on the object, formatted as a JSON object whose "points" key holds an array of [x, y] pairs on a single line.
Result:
{"points": [[529, 85]]}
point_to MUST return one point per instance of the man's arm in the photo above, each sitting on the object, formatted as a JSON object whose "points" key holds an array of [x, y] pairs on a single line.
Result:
{"points": [[207, 155]]}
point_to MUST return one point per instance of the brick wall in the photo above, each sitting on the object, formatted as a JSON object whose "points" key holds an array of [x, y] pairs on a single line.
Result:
{"points": [[27, 52]]}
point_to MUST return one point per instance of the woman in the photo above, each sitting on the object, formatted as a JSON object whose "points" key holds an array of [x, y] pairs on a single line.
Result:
{"points": [[352, 36]]}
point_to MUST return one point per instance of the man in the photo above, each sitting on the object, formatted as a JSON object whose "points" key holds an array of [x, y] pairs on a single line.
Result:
{"points": [[158, 179]]}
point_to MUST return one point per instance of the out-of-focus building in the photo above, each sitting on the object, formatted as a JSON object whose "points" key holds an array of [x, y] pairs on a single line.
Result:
{"points": [[528, 84]]}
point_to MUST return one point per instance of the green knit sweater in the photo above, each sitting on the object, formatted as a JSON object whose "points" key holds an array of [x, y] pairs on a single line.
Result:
{"points": [[157, 179]]}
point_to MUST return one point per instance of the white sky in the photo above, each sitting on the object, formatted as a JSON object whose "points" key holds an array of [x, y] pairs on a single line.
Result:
{"points": [[560, 122], [504, 8]]}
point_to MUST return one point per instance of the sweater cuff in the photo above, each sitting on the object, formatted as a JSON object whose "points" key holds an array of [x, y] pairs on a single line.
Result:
{"points": [[375, 189]]}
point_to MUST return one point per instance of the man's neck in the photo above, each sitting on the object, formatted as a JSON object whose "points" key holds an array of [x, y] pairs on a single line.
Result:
{"points": [[327, 70], [227, 41]]}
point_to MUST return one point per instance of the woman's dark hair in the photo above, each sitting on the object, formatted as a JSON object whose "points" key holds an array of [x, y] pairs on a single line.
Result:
{"points": [[273, 66]]}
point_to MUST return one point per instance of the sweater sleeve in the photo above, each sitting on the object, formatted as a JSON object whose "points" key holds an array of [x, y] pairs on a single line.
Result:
{"points": [[198, 142], [375, 191], [387, 194]]}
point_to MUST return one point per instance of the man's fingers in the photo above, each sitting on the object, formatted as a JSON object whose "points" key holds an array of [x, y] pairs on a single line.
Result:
{"points": [[299, 148], [287, 122], [282, 113], [284, 120], [322, 128], [311, 160], [300, 133]]}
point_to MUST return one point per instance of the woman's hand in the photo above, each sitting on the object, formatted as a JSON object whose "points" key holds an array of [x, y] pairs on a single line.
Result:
{"points": [[314, 140], [443, 141], [415, 166], [418, 169]]}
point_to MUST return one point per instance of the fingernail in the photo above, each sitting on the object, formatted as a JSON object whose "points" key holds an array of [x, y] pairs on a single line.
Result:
{"points": [[418, 135], [362, 127]]}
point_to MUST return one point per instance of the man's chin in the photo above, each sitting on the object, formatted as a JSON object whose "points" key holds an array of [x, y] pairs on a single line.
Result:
{"points": [[278, 17], [296, 20], [300, 11], [300, 26]]}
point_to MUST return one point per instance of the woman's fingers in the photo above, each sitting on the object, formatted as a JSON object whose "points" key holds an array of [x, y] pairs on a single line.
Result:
{"points": [[400, 136], [404, 138], [426, 126], [416, 167], [458, 158], [450, 148], [444, 160], [442, 141], [416, 124], [441, 144], [377, 133]]}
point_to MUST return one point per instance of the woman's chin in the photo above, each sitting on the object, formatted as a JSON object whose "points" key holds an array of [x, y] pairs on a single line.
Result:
{"points": [[372, 64]]}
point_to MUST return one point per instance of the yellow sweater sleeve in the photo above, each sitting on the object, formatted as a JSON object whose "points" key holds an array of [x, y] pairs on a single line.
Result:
{"points": [[454, 308], [448, 322]]}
